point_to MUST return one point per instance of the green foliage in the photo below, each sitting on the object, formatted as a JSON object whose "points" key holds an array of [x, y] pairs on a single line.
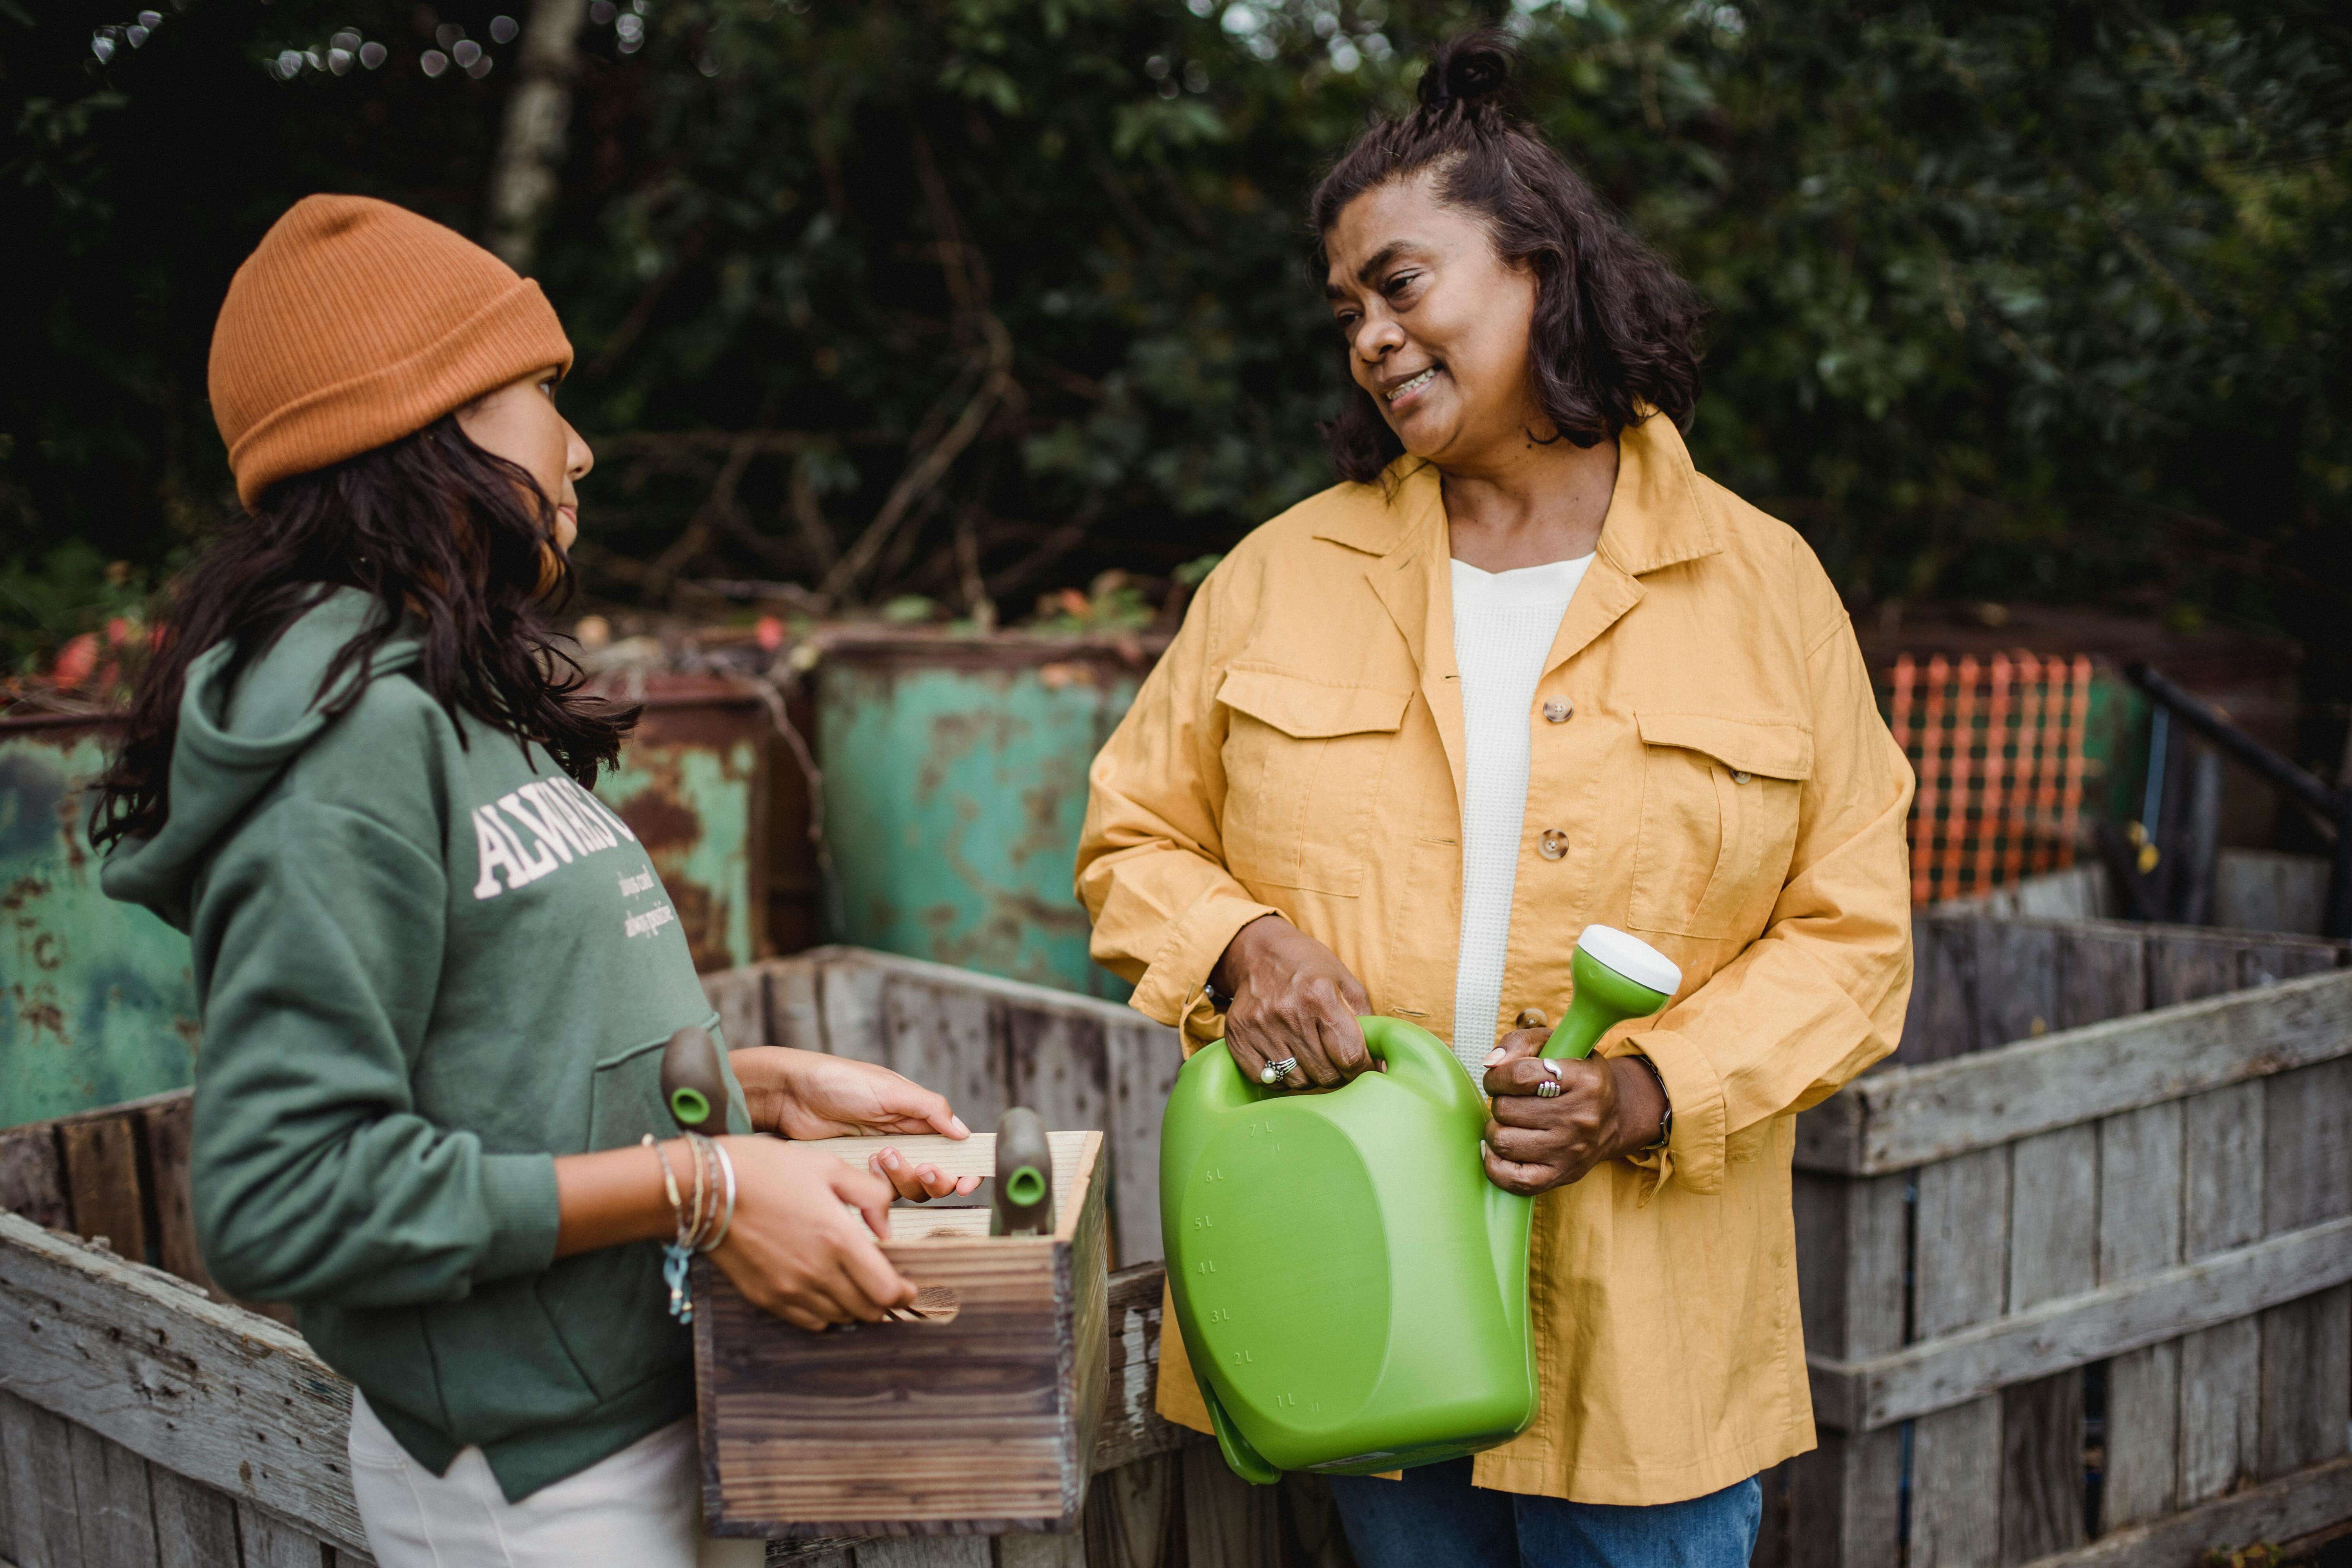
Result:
{"points": [[2013, 300]]}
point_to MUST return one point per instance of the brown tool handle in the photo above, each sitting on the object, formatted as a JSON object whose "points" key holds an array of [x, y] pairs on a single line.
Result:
{"points": [[694, 1081], [1023, 1204]]}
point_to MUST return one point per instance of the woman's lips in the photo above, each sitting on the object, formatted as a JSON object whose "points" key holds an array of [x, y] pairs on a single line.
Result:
{"points": [[1412, 392]]}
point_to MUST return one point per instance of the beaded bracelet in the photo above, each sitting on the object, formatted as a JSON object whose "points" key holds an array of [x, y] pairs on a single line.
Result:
{"points": [[679, 1252]]}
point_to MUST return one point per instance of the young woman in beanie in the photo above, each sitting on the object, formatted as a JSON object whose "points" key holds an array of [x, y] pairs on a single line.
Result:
{"points": [[1524, 671], [437, 974]]}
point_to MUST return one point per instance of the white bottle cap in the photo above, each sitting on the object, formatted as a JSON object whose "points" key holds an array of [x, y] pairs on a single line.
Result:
{"points": [[1631, 957]]}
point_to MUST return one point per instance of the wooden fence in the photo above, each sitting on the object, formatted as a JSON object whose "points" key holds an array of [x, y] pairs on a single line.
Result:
{"points": [[2098, 1222], [2074, 1271]]}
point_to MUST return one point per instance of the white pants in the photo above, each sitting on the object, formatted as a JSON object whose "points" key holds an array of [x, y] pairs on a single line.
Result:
{"points": [[640, 1507]]}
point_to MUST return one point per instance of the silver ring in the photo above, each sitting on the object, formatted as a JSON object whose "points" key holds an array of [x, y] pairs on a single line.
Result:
{"points": [[1275, 1072], [1548, 1090]]}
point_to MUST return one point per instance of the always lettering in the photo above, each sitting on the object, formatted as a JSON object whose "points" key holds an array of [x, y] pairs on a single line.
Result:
{"points": [[564, 823]]}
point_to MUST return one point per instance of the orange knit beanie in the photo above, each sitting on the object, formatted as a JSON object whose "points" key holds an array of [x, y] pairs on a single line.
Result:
{"points": [[355, 322]]}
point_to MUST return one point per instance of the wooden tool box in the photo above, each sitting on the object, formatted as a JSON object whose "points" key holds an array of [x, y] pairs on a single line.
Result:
{"points": [[980, 1419]]}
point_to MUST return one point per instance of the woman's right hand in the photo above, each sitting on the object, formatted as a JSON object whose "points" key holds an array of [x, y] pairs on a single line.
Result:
{"points": [[1292, 998], [795, 1250]]}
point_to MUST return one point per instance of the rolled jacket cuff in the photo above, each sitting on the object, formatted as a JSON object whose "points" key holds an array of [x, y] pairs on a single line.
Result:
{"points": [[1175, 987], [519, 1190], [1694, 1155]]}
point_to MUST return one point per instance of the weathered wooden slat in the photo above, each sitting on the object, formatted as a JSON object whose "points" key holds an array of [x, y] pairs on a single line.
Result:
{"points": [[1911, 1116], [1134, 1514], [2041, 1467], [794, 1014], [35, 1510], [2017, 982], [2058, 1335], [1845, 1501], [2143, 1436], [2307, 1132], [1962, 1241], [1132, 1427], [2102, 974], [36, 1446], [113, 1502], [2140, 1173], [1851, 1235], [1949, 960], [1067, 1551], [1956, 1474], [949, 1039], [2055, 1227], [1228, 1523], [169, 1131], [102, 1173], [2263, 964], [1145, 1059], [2222, 1140], [225, 1397], [2307, 1388], [269, 1541], [31, 1183], [849, 1009], [2220, 1412], [2278, 1510], [1312, 1535], [929, 1552], [2184, 966], [196, 1527], [1959, 1243]]}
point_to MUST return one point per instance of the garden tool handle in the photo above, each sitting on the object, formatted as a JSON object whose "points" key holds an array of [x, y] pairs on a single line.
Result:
{"points": [[694, 1081]]}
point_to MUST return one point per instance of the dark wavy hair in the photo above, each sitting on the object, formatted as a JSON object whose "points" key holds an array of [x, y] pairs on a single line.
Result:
{"points": [[445, 537], [1616, 330]]}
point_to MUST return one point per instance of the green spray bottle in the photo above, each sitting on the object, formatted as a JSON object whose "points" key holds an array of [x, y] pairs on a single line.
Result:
{"points": [[1351, 1290]]}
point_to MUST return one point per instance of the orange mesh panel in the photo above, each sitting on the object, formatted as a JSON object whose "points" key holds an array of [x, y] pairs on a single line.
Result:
{"points": [[1997, 745]]}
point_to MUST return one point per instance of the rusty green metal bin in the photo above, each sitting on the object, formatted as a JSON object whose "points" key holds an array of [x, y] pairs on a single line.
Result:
{"points": [[97, 1001], [955, 773]]}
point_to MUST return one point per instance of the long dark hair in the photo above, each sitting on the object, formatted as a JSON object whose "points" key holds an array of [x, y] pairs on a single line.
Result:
{"points": [[1616, 330], [443, 535]]}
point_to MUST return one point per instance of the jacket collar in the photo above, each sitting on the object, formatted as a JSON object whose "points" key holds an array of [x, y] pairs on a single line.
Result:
{"points": [[1654, 520], [1654, 516]]}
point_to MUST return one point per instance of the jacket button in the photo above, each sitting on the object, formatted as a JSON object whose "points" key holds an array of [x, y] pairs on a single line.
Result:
{"points": [[1532, 1018], [1552, 845], [1558, 710], [1741, 778]]}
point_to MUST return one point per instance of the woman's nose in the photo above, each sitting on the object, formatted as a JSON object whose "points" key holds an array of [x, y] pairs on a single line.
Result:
{"points": [[1377, 338], [579, 456]]}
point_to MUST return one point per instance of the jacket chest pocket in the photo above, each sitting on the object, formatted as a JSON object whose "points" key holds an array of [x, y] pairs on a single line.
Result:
{"points": [[1304, 763], [1719, 805]]}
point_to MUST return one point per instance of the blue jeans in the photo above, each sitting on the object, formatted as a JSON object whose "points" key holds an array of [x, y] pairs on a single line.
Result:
{"points": [[1434, 1518]]}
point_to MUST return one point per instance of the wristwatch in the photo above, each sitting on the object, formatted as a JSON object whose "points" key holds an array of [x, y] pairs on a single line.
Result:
{"points": [[1666, 1121]]}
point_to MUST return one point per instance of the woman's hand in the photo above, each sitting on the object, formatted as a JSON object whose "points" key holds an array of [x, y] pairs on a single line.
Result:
{"points": [[1608, 1107], [1292, 998], [795, 1250], [808, 1095]]}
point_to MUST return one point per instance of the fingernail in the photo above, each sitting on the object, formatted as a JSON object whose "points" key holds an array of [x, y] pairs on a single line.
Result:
{"points": [[1494, 1056], [961, 1130], [890, 1158]]}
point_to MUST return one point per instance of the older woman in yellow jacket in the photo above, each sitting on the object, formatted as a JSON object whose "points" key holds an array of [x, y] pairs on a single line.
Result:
{"points": [[1527, 670]]}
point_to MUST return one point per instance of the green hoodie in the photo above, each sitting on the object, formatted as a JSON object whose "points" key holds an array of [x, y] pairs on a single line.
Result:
{"points": [[428, 963]]}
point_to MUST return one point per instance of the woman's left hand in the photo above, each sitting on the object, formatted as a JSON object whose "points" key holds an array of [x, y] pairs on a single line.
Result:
{"points": [[808, 1094], [1606, 1108]]}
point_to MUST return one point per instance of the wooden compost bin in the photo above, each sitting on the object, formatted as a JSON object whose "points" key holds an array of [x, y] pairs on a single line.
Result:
{"points": [[2074, 1268], [142, 1419]]}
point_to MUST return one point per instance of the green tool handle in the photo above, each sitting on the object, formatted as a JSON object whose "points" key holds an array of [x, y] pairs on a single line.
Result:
{"points": [[1603, 999], [694, 1081]]}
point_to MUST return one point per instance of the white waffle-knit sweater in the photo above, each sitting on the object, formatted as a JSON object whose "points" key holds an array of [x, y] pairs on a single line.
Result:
{"points": [[1503, 624]]}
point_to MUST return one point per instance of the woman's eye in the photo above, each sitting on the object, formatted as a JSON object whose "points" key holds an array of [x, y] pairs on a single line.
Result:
{"points": [[1397, 284]]}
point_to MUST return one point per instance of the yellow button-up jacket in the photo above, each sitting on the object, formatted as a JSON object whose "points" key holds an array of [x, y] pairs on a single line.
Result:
{"points": [[1706, 738]]}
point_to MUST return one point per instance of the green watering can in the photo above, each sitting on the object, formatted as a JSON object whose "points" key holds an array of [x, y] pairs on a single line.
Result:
{"points": [[1351, 1290]]}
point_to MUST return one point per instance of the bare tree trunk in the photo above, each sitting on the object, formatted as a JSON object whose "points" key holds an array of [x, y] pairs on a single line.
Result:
{"points": [[530, 144]]}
